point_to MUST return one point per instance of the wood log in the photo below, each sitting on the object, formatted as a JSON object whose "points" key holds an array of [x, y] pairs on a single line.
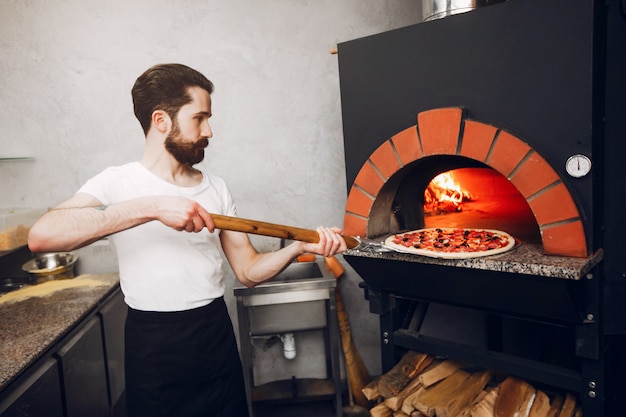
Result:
{"points": [[392, 382], [512, 393], [419, 386], [439, 394], [524, 408], [569, 406], [424, 364], [555, 406], [464, 394], [370, 391], [541, 405], [396, 401], [407, 405], [467, 411], [438, 372], [486, 407], [381, 410]]}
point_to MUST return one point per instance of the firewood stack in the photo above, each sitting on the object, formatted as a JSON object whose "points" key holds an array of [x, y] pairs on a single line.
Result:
{"points": [[420, 386]]}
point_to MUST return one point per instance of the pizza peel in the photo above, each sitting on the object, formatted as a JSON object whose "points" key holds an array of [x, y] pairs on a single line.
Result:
{"points": [[256, 227]]}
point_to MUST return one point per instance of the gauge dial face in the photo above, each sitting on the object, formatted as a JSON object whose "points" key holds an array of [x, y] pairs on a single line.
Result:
{"points": [[578, 165]]}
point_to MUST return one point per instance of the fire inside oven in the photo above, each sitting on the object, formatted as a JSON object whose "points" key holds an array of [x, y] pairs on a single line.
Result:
{"points": [[468, 197], [479, 198]]}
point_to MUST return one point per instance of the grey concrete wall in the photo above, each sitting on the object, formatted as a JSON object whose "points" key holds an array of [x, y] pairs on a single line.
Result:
{"points": [[66, 69]]}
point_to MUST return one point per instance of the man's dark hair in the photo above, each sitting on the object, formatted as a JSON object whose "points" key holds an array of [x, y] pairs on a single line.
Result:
{"points": [[164, 87]]}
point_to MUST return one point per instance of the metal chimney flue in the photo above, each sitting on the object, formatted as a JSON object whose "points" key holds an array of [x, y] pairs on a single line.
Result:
{"points": [[437, 9]]}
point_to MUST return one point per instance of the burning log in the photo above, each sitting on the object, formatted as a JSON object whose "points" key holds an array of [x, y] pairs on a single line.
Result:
{"points": [[418, 386], [444, 195]]}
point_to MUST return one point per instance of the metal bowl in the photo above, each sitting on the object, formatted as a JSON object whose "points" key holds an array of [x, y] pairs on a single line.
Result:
{"points": [[49, 266]]}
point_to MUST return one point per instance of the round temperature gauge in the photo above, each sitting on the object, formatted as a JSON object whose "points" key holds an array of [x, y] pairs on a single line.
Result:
{"points": [[578, 165]]}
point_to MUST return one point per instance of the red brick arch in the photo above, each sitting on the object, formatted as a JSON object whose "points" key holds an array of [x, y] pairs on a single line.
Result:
{"points": [[438, 132]]}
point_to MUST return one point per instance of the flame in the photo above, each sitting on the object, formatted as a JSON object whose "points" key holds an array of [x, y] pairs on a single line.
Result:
{"points": [[444, 195]]}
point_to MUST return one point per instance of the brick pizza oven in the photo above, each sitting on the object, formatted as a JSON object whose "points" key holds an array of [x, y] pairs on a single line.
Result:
{"points": [[446, 131], [518, 90]]}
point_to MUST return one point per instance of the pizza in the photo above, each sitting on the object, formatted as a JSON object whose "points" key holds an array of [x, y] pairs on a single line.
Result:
{"points": [[451, 243]]}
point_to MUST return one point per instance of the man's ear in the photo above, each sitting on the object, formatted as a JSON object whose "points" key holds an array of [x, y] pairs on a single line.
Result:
{"points": [[161, 121]]}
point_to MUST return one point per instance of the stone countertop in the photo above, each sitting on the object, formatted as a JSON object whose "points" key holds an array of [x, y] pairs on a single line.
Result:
{"points": [[524, 259], [34, 318]]}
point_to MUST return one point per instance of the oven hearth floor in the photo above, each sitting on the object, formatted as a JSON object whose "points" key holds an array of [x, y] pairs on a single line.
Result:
{"points": [[525, 259], [492, 213]]}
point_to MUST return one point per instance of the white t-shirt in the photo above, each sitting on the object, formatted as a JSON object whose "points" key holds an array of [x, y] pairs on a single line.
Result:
{"points": [[160, 268]]}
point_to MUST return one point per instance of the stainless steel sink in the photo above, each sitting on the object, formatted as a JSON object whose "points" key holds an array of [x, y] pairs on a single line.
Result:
{"points": [[299, 271], [301, 276]]}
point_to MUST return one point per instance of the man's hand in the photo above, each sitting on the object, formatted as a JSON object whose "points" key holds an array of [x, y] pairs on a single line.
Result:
{"points": [[330, 243], [181, 213]]}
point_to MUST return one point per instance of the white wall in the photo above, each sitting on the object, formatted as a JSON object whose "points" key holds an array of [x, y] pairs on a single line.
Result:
{"points": [[66, 69]]}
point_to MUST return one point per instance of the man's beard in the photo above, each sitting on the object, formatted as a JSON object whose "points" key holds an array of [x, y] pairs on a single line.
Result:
{"points": [[187, 153]]}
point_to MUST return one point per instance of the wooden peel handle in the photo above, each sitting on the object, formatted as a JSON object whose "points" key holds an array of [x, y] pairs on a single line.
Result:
{"points": [[274, 230]]}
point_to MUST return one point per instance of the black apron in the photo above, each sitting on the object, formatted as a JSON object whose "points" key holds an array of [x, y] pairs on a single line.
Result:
{"points": [[183, 364]]}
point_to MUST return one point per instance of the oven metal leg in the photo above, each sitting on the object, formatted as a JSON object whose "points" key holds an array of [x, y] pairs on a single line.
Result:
{"points": [[387, 348], [591, 348], [384, 306], [592, 394]]}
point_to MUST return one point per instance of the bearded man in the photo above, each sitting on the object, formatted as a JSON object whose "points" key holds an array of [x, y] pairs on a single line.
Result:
{"points": [[181, 352]]}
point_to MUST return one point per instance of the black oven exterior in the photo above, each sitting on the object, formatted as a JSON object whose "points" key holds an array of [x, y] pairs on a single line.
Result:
{"points": [[551, 72]]}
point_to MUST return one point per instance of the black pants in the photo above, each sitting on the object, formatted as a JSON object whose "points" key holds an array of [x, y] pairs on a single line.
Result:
{"points": [[183, 364]]}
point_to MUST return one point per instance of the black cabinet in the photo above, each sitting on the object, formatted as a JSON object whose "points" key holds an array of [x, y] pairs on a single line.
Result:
{"points": [[113, 316], [83, 372], [38, 394], [82, 375]]}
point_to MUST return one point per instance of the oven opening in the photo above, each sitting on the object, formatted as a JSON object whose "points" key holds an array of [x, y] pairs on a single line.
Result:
{"points": [[479, 198], [448, 191]]}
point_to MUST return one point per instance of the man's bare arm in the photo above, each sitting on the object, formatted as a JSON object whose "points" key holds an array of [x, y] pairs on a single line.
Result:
{"points": [[252, 268], [83, 220]]}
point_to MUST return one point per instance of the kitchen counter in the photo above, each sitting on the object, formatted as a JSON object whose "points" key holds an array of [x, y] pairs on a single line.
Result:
{"points": [[34, 318], [524, 259]]}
